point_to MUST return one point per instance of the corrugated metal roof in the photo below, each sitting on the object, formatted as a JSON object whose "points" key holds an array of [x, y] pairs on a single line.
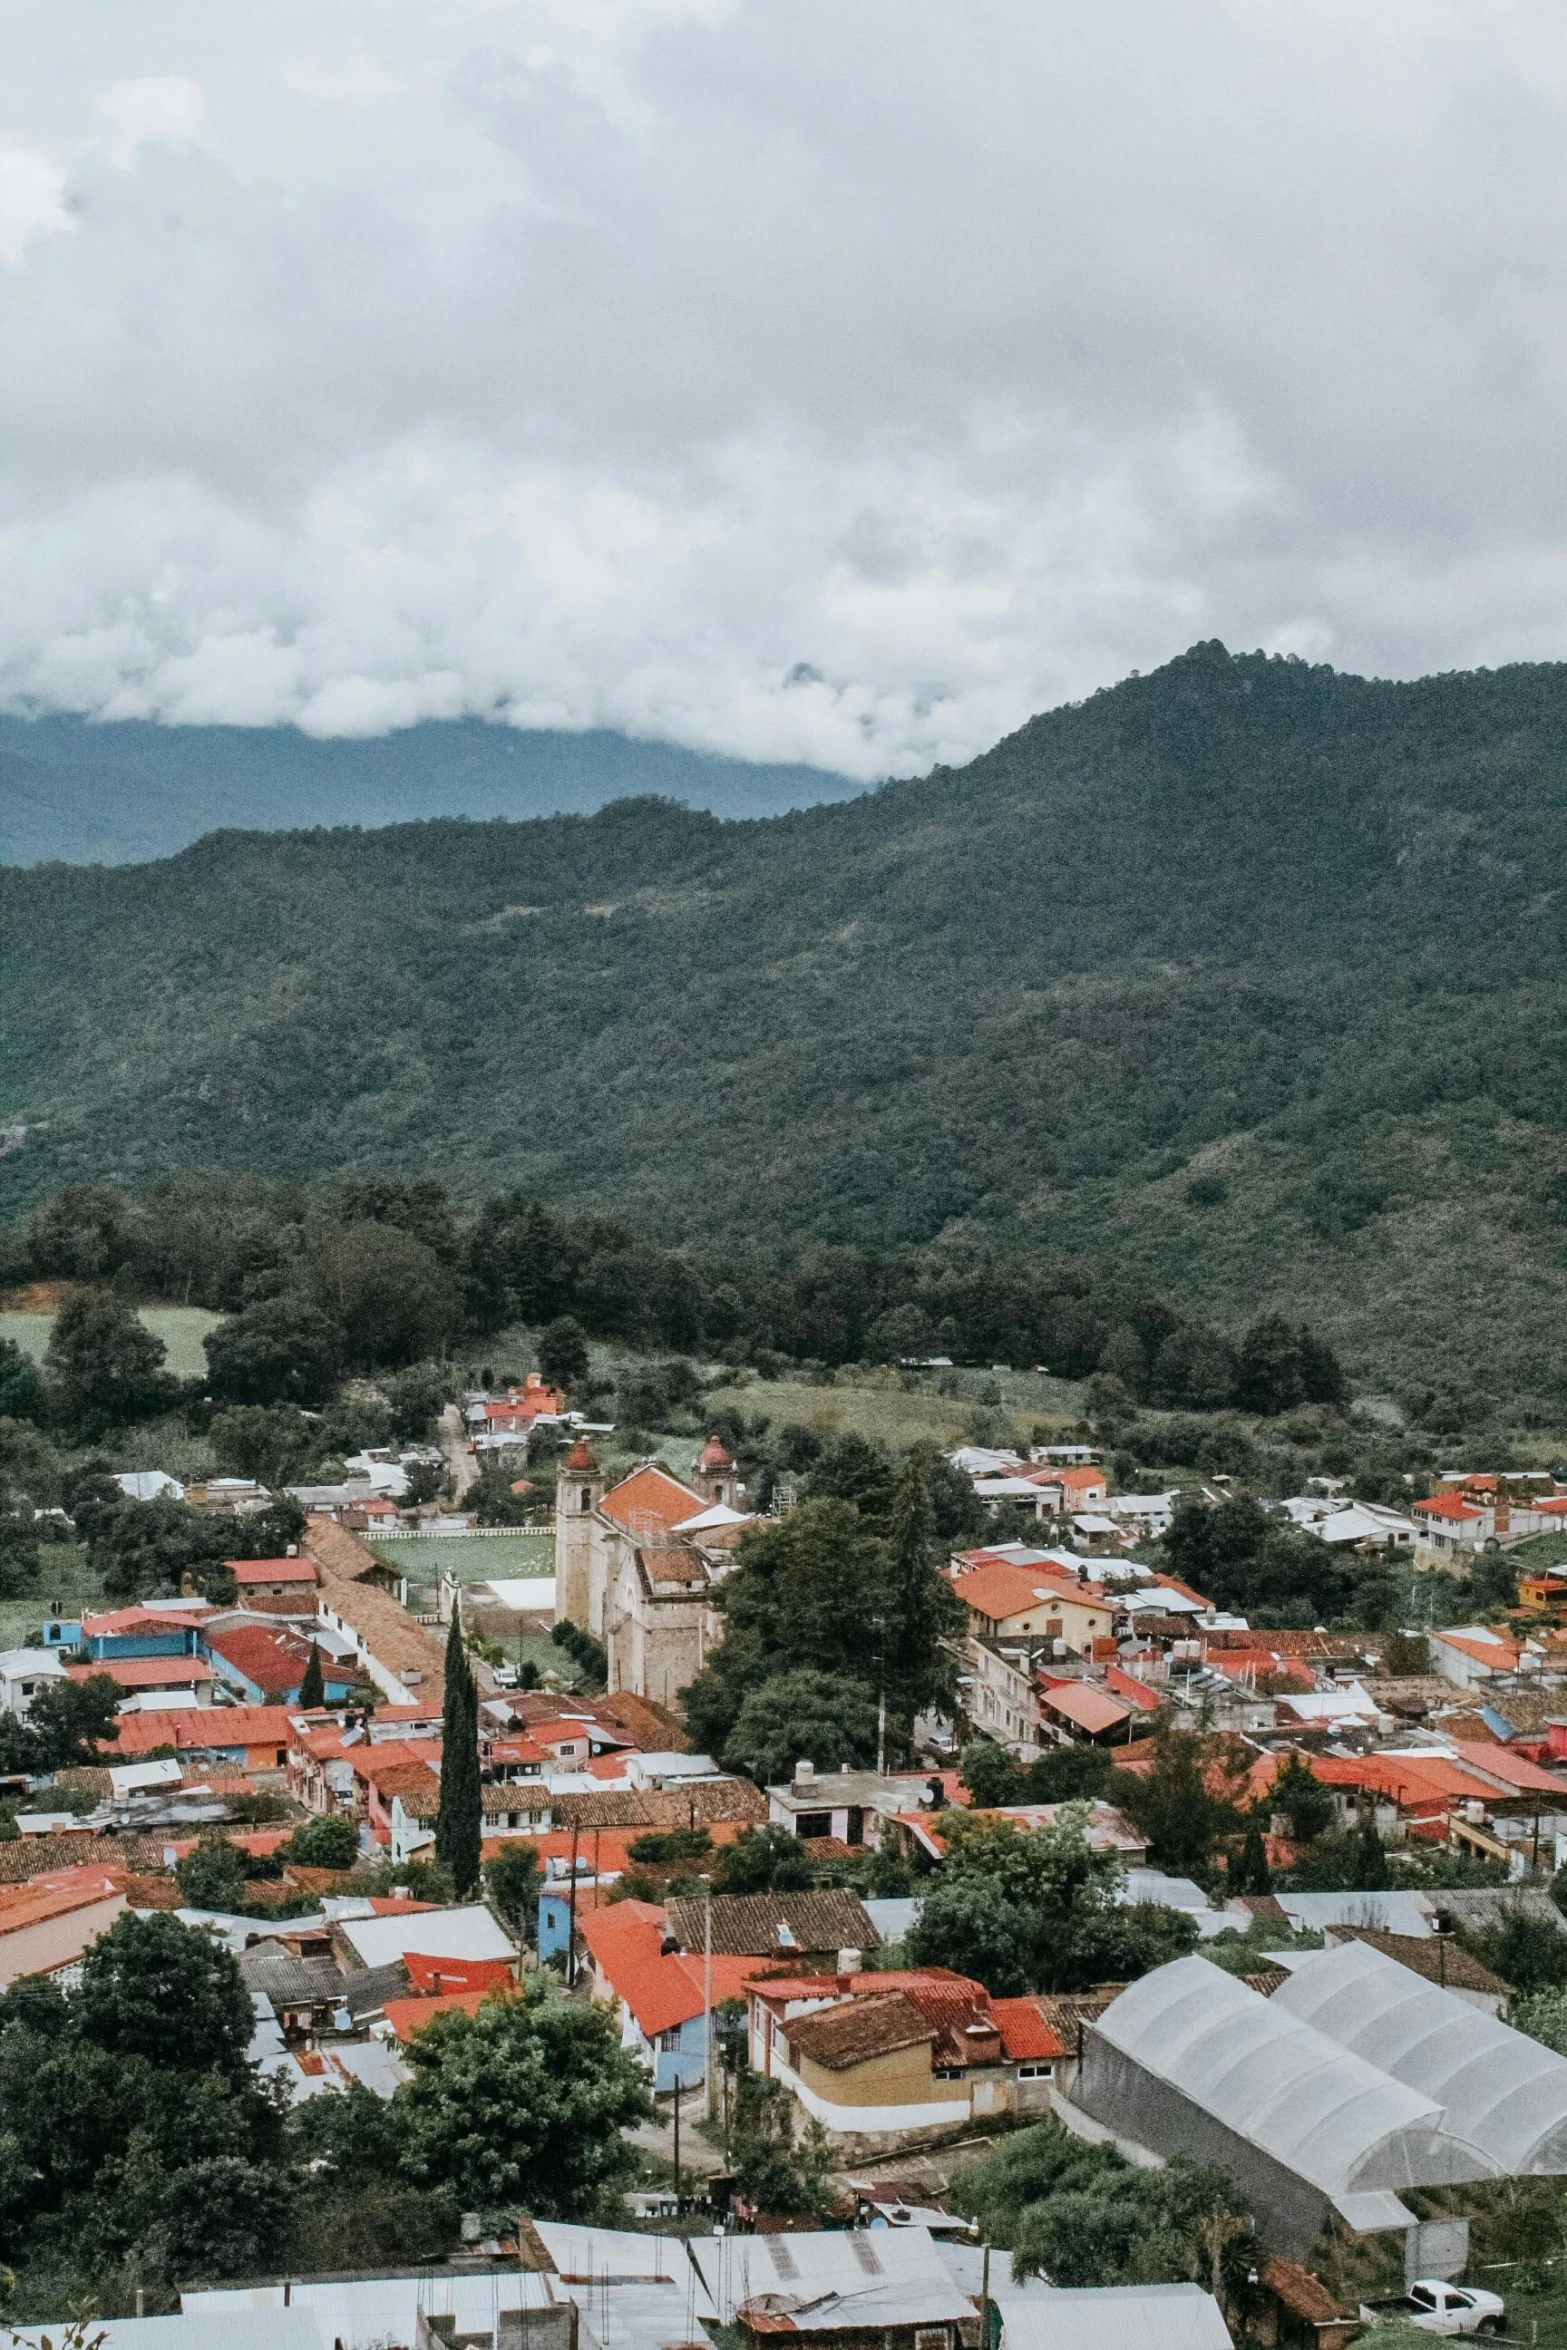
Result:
{"points": [[1113, 2317]]}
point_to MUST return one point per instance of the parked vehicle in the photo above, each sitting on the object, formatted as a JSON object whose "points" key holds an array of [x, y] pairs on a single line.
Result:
{"points": [[1438, 2308]]}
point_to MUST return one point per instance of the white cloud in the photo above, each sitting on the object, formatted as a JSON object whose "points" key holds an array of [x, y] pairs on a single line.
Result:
{"points": [[154, 109], [32, 201], [801, 381]]}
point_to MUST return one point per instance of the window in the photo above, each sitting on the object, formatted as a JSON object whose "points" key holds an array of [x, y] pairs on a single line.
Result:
{"points": [[931, 2338], [1036, 2072], [1423, 2297]]}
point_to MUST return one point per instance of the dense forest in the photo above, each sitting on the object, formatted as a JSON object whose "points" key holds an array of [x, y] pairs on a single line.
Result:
{"points": [[1240, 983]]}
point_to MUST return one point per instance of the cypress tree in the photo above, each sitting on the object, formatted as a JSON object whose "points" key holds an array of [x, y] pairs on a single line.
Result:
{"points": [[459, 1824], [312, 1689]]}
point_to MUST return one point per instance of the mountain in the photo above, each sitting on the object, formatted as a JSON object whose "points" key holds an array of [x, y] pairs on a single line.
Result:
{"points": [[125, 791], [1245, 975]]}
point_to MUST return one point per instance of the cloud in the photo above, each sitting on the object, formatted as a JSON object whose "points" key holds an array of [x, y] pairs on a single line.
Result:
{"points": [[154, 109], [782, 378], [32, 201]]}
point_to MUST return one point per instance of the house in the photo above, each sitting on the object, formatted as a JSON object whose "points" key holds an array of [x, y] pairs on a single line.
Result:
{"points": [[421, 1936], [1033, 1601], [149, 1485], [512, 1415], [785, 1928], [1086, 1711], [847, 2289], [48, 1923], [286, 1578], [883, 2059], [999, 1697], [264, 1662], [1449, 1530], [636, 1564], [1473, 1654], [23, 1672], [659, 1991], [851, 1807], [155, 1627], [399, 1656], [1128, 2317], [172, 1680]]}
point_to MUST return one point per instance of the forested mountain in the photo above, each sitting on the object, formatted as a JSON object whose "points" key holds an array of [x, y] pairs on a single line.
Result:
{"points": [[1244, 974], [118, 792]]}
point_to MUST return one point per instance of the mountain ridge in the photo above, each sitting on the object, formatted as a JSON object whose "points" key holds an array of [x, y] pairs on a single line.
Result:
{"points": [[1244, 974]]}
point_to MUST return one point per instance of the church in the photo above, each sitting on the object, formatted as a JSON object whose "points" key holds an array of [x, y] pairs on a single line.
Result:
{"points": [[636, 1564]]}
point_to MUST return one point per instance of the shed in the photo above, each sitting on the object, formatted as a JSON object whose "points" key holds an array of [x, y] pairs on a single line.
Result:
{"points": [[1112, 2317]]}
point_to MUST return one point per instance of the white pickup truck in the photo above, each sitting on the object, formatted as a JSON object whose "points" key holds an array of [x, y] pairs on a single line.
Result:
{"points": [[1440, 2309]]}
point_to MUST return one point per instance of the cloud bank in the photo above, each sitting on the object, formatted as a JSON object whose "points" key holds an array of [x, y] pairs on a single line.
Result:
{"points": [[828, 380]]}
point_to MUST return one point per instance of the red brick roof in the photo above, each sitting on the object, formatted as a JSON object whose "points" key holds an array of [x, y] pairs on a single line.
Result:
{"points": [[1445, 1505], [295, 1570], [662, 1992], [1001, 1590]]}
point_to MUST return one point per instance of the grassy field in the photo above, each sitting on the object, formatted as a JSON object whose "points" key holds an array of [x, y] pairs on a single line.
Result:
{"points": [[877, 1404], [65, 1578], [181, 1328], [472, 1558]]}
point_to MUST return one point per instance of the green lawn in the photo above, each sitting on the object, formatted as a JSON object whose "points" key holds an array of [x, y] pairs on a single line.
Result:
{"points": [[181, 1328], [876, 1404], [472, 1558], [65, 1577]]}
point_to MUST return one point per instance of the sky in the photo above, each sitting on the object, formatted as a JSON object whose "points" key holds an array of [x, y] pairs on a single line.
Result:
{"points": [[823, 380]]}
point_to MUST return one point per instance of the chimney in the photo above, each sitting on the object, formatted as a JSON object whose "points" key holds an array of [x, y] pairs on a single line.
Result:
{"points": [[849, 1963], [804, 1771]]}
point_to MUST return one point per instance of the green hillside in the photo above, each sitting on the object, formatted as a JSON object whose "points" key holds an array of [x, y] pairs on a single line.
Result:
{"points": [[1245, 974]]}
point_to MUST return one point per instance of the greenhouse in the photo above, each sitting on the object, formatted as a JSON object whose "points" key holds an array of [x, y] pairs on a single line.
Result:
{"points": [[1500, 2091], [1192, 2061]]}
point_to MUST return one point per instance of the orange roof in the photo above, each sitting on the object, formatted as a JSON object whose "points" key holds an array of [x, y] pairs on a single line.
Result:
{"points": [[1083, 1702], [408, 2016], [1078, 1480], [295, 1570], [203, 1729], [30, 1905], [1500, 1655], [661, 1991], [272, 1661], [458, 1974], [650, 1499], [167, 1616], [1173, 1583], [1000, 1591], [1445, 1505], [1025, 2035], [1503, 1764], [145, 1672], [1406, 1780]]}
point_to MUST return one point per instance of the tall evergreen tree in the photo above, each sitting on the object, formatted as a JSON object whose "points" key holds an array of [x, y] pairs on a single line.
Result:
{"points": [[924, 1613], [459, 1823], [312, 1689]]}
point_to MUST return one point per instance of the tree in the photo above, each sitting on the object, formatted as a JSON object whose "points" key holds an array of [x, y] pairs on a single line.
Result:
{"points": [[1302, 1798], [69, 1721], [563, 1355], [924, 1619], [1037, 1911], [329, 1843], [777, 2174], [388, 1292], [155, 1988], [1370, 1863], [853, 1468], [283, 1350], [521, 2106], [104, 1365], [212, 1876], [807, 1716], [770, 1859], [423, 1481], [312, 1687], [511, 1880], [21, 1389], [1186, 1802], [801, 1595], [459, 1825], [1249, 1872], [273, 1443], [991, 1775]]}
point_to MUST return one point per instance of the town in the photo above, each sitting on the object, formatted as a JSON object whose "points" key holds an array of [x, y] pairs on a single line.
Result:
{"points": [[766, 1876]]}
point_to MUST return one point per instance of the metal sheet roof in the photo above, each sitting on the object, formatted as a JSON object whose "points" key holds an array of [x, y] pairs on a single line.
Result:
{"points": [[1502, 2091], [1113, 2317], [1325, 2113]]}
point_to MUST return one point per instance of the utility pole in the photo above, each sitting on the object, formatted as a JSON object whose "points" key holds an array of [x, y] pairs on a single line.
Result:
{"points": [[571, 1917], [678, 2086]]}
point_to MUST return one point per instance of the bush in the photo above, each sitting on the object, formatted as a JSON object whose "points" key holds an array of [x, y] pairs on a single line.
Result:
{"points": [[325, 1844]]}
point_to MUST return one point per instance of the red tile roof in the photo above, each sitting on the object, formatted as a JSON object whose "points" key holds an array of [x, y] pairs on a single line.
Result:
{"points": [[661, 1992], [145, 1672], [203, 1729], [1445, 1505], [1501, 1763], [999, 1590], [651, 1501], [1084, 1703], [1137, 1693], [294, 1570], [273, 1662], [1025, 2035], [408, 2016]]}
